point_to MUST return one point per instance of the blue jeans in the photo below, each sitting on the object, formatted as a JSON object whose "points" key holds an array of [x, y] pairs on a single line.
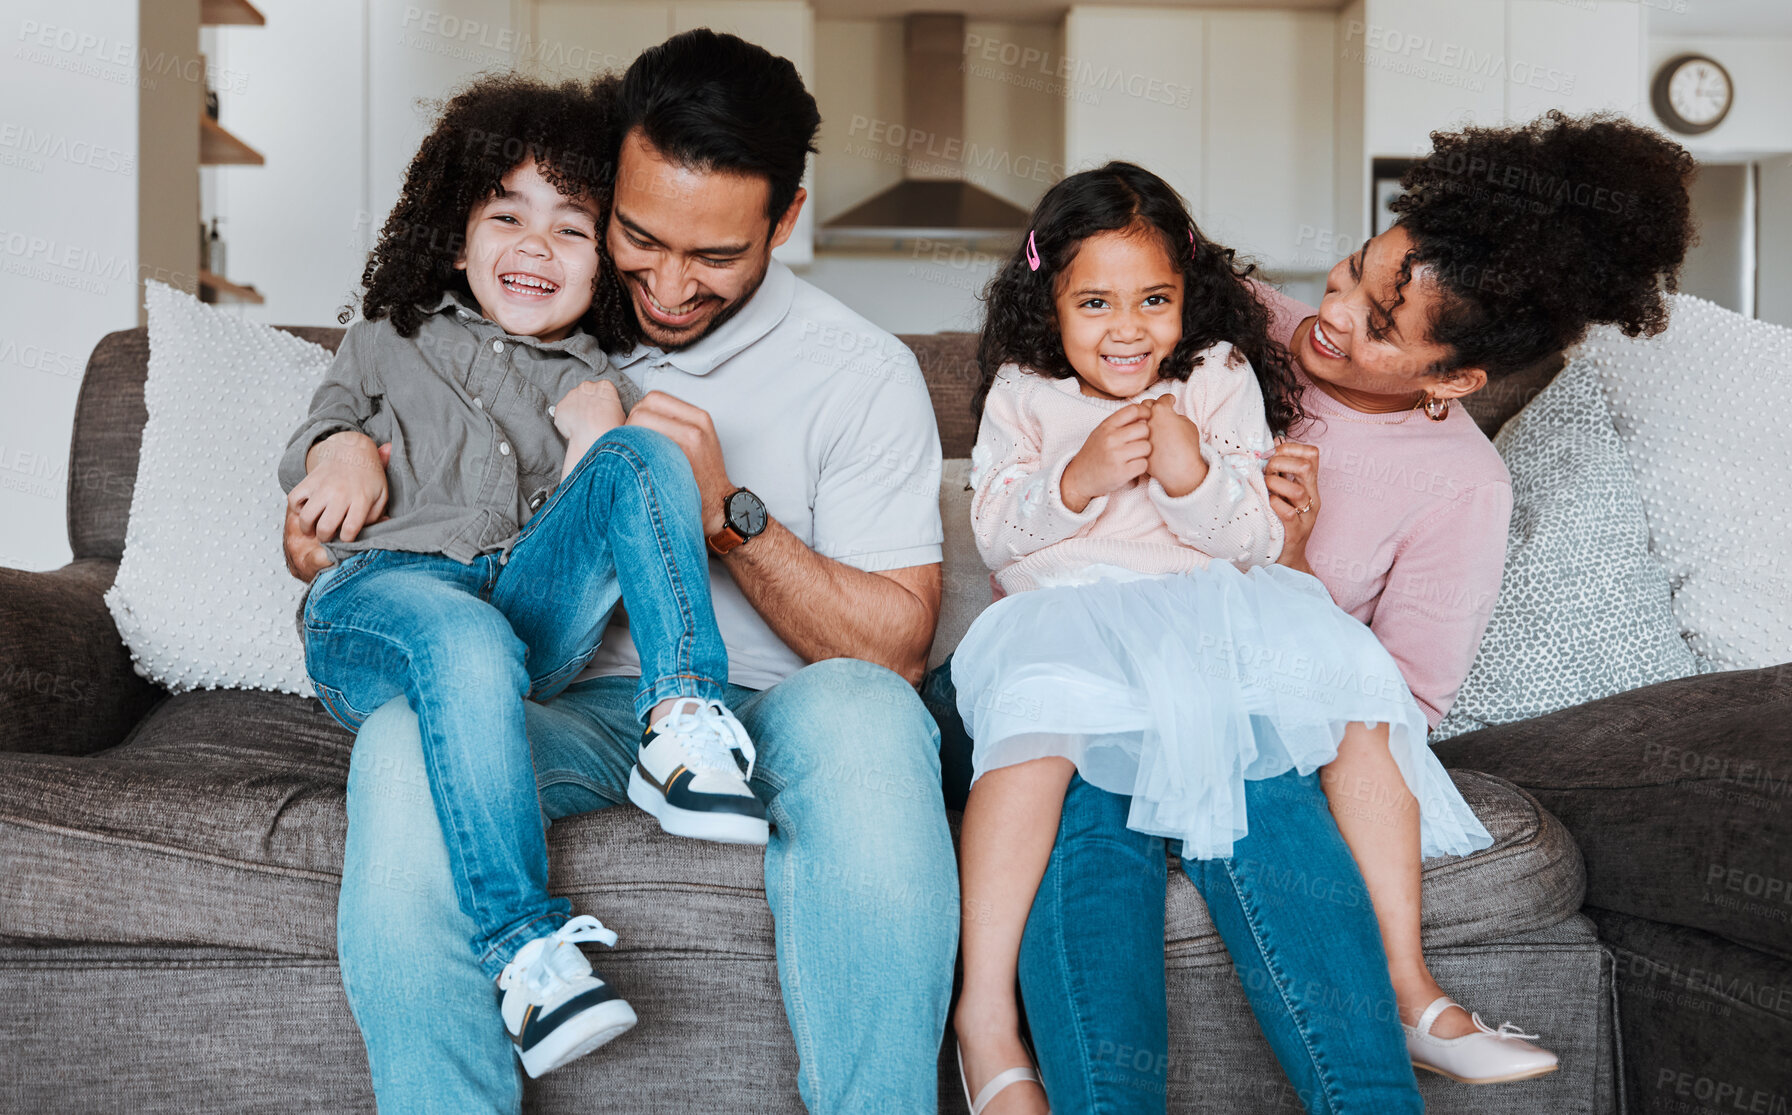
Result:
{"points": [[859, 873], [1290, 905], [466, 644]]}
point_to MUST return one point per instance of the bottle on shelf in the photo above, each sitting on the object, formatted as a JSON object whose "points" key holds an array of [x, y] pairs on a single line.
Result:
{"points": [[215, 251]]}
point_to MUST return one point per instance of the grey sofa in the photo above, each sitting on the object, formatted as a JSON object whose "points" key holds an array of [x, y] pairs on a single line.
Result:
{"points": [[170, 867]]}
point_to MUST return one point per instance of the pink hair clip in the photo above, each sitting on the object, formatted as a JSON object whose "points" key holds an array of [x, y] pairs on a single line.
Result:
{"points": [[1032, 251], [1193, 248]]}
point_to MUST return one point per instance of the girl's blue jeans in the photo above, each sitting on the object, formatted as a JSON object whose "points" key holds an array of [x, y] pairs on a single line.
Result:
{"points": [[1290, 905], [466, 645]]}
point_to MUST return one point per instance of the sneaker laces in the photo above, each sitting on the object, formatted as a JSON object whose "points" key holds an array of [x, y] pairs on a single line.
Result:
{"points": [[1506, 1030], [710, 734], [551, 965]]}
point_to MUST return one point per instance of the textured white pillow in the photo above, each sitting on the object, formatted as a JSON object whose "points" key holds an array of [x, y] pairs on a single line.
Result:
{"points": [[203, 598], [1702, 411], [1584, 611]]}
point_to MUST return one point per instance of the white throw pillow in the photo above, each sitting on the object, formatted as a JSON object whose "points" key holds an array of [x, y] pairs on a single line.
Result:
{"points": [[1700, 409], [203, 598], [1584, 611]]}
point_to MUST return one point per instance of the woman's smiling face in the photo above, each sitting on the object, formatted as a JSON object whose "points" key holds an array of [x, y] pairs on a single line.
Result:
{"points": [[1119, 307], [1358, 344], [531, 256]]}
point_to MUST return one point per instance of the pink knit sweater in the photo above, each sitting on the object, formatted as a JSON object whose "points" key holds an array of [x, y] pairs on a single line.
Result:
{"points": [[1411, 533], [1033, 425]]}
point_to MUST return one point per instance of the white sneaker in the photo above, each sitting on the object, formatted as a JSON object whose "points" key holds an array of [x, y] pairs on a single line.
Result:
{"points": [[1487, 1056], [686, 774], [554, 1006]]}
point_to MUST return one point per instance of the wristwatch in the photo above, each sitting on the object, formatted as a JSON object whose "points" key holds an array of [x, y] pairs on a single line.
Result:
{"points": [[743, 519]]}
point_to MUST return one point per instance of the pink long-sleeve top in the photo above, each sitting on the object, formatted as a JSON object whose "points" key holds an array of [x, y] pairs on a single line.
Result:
{"points": [[1411, 533], [1033, 425]]}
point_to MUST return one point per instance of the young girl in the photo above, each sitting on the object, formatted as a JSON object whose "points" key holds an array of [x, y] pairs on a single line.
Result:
{"points": [[1145, 636], [467, 463]]}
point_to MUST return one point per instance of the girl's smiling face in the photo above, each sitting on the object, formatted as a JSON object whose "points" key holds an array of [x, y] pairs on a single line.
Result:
{"points": [[531, 256], [1119, 307]]}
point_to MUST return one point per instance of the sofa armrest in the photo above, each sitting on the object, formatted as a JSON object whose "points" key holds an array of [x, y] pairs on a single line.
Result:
{"points": [[66, 682], [1679, 796]]}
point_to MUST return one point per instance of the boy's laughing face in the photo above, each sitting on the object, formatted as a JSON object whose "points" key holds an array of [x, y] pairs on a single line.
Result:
{"points": [[531, 256]]}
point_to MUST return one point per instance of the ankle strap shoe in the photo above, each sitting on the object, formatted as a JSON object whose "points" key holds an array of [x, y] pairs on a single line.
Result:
{"points": [[1487, 1056]]}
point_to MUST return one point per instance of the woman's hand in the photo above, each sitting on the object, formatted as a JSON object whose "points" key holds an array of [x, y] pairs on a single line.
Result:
{"points": [[1175, 461], [1292, 474], [1116, 453]]}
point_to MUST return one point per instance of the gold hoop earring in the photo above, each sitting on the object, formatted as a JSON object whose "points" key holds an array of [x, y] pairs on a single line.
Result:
{"points": [[1437, 409]]}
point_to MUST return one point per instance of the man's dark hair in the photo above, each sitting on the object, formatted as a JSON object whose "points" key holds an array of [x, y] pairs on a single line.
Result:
{"points": [[1538, 231], [714, 102]]}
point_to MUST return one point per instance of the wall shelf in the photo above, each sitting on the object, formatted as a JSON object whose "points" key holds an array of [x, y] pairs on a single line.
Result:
{"points": [[218, 13], [216, 288], [218, 147]]}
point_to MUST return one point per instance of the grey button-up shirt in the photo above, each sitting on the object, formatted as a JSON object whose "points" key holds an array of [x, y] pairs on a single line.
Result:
{"points": [[469, 411]]}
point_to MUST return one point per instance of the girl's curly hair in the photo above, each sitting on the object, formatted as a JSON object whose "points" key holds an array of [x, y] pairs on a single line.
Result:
{"points": [[1219, 303], [1535, 232], [486, 130]]}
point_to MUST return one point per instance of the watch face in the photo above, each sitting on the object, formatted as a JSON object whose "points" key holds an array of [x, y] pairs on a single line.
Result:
{"points": [[746, 514], [1693, 94]]}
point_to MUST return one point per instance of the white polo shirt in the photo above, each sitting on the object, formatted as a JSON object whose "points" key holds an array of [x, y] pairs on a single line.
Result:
{"points": [[827, 419]]}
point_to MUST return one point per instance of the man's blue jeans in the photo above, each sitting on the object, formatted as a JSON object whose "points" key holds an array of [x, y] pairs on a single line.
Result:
{"points": [[465, 644], [1290, 905], [859, 873]]}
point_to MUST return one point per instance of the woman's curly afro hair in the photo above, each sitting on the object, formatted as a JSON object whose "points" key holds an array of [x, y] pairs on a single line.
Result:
{"points": [[485, 131], [1219, 303], [1534, 233]]}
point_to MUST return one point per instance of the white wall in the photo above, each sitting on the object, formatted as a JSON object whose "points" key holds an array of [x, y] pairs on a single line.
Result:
{"points": [[68, 242], [1773, 282], [1233, 108]]}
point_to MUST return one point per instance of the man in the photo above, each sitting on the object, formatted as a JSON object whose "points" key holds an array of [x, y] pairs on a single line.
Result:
{"points": [[817, 460]]}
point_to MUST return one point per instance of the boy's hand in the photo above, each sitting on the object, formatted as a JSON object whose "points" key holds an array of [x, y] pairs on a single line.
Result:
{"points": [[589, 411], [1175, 449], [344, 487], [1115, 454], [305, 555]]}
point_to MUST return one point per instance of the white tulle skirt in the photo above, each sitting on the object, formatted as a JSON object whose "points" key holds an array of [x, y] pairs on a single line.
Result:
{"points": [[1177, 689]]}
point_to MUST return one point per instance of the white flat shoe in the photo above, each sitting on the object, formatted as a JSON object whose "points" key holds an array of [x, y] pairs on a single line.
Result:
{"points": [[996, 1084], [1487, 1056]]}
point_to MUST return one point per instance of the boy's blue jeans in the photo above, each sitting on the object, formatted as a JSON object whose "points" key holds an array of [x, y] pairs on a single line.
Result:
{"points": [[466, 645]]}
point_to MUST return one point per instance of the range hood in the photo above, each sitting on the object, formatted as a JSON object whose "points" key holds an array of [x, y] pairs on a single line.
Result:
{"points": [[933, 200]]}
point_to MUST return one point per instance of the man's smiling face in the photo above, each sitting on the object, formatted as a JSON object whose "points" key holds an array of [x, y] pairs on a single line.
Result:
{"points": [[691, 246]]}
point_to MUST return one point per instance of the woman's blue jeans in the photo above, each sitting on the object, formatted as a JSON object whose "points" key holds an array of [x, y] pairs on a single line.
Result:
{"points": [[1290, 905], [466, 645]]}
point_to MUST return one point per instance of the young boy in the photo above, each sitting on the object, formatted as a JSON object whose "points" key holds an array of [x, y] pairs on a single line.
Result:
{"points": [[468, 465]]}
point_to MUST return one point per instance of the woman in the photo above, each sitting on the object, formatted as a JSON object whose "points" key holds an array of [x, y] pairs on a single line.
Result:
{"points": [[1509, 244]]}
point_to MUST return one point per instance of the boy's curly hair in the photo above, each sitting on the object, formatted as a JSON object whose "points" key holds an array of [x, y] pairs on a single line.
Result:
{"points": [[1535, 232], [486, 130], [1219, 303]]}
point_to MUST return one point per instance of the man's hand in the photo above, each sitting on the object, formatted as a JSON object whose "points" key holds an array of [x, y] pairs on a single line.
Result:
{"points": [[589, 411], [1175, 460], [1292, 475], [691, 429], [344, 487], [1116, 453], [300, 535]]}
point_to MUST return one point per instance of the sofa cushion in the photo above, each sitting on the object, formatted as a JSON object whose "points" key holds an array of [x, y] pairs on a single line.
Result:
{"points": [[220, 823], [1529, 878], [1679, 796], [1584, 610]]}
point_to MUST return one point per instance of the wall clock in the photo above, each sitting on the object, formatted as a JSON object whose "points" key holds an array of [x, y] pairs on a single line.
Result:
{"points": [[1692, 94]]}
